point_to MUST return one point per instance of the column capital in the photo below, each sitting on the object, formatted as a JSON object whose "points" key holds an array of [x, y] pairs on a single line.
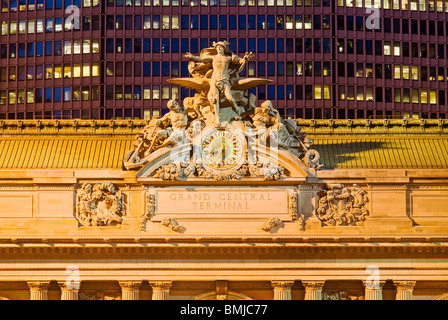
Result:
{"points": [[38, 285], [130, 285], [282, 284], [404, 284], [69, 286], [161, 285], [373, 285], [313, 284]]}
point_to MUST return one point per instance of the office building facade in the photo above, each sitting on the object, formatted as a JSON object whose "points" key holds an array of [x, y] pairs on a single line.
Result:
{"points": [[327, 58]]}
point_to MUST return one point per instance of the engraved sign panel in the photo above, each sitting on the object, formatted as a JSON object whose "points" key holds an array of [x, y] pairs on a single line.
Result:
{"points": [[222, 202], [16, 205]]}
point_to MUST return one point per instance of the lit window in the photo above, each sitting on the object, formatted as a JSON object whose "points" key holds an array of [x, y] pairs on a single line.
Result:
{"points": [[86, 3], [156, 92], [57, 71], [414, 5], [349, 3], [86, 69], [22, 27], [422, 5], [76, 46], [4, 28], [377, 4], [95, 69], [165, 22], [360, 93], [146, 95], [95, 46], [397, 95], [67, 71], [414, 72], [397, 72], [30, 26], [424, 96], [432, 97], [369, 93], [166, 92], [29, 96], [76, 70], [340, 3], [307, 19], [359, 3], [326, 92], [397, 48], [404, 5], [369, 70], [146, 22], [39, 25], [12, 96], [58, 24], [13, 27], [317, 92], [76, 94], [431, 6], [386, 4], [86, 46], [175, 22], [341, 92], [3, 97], [387, 48], [359, 70], [67, 47], [396, 4], [299, 24], [49, 71], [406, 72], [289, 22], [299, 70], [174, 92], [85, 93]]}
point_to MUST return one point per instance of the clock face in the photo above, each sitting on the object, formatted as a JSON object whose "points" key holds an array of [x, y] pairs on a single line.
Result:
{"points": [[221, 149]]}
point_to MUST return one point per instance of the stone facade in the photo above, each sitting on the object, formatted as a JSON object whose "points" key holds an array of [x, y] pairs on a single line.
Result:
{"points": [[347, 231]]}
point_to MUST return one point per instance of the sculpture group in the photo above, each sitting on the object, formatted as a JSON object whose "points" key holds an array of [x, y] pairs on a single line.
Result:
{"points": [[220, 102]]}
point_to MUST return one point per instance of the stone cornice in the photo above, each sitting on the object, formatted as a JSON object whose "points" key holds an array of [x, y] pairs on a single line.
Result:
{"points": [[257, 240], [404, 245], [311, 126], [71, 127], [371, 126]]}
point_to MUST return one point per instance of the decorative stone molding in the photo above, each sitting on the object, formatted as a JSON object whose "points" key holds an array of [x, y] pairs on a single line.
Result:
{"points": [[342, 205], [84, 296], [271, 223], [404, 289], [282, 289], [38, 290], [292, 205], [130, 290], [99, 205], [313, 289], [160, 289]]}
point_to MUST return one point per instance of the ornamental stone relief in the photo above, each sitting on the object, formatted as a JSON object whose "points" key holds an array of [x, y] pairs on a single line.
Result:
{"points": [[99, 205], [342, 205]]}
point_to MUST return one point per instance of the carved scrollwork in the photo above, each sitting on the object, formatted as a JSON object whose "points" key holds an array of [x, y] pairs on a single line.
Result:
{"points": [[99, 205], [149, 212], [342, 205], [271, 223], [172, 224]]}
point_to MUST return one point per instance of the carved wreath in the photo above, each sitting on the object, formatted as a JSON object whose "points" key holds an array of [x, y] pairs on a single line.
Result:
{"points": [[99, 205]]}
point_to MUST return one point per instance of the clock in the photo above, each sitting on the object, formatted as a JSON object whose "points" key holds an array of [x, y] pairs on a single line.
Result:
{"points": [[222, 149]]}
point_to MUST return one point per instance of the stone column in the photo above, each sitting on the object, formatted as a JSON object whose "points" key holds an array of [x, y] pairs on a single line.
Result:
{"points": [[130, 290], [160, 289], [70, 292], [313, 289], [373, 291], [404, 289], [282, 289], [38, 290]]}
